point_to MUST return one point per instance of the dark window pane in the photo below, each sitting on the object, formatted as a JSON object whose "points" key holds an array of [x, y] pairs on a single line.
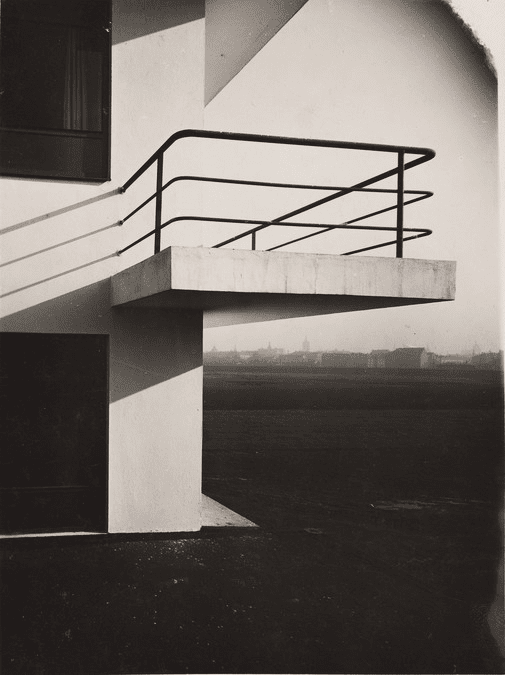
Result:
{"points": [[53, 432], [91, 13], [33, 75], [54, 76], [53, 156], [82, 85], [51, 77]]}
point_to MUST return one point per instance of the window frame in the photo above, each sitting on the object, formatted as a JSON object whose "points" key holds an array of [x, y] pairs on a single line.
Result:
{"points": [[104, 136]]}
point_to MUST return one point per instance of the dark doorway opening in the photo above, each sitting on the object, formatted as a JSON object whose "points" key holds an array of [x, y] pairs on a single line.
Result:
{"points": [[54, 433]]}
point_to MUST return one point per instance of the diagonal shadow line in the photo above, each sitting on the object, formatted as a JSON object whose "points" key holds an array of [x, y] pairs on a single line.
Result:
{"points": [[60, 274], [59, 212], [153, 17], [63, 243]]}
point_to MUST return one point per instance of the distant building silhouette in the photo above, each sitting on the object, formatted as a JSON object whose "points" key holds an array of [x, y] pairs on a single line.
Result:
{"points": [[344, 360], [377, 358], [454, 360], [403, 357], [488, 361], [266, 355], [301, 359], [228, 358], [408, 357]]}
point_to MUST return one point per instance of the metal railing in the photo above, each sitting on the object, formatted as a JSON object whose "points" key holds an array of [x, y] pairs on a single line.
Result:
{"points": [[425, 154]]}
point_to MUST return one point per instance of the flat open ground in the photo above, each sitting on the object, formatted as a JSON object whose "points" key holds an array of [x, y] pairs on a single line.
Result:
{"points": [[378, 499], [395, 475]]}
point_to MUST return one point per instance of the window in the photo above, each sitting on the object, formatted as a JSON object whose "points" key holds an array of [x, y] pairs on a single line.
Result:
{"points": [[55, 89]]}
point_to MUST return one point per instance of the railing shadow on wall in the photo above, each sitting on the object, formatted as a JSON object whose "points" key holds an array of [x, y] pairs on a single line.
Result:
{"points": [[60, 212], [425, 154], [58, 275], [53, 214], [56, 246]]}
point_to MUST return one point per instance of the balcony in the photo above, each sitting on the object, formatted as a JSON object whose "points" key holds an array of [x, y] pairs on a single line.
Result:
{"points": [[237, 286]]}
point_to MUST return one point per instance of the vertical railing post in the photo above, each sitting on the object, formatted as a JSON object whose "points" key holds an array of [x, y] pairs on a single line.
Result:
{"points": [[253, 241], [159, 196], [399, 207]]}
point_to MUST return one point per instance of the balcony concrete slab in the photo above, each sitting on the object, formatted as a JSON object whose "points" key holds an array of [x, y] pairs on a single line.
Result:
{"points": [[237, 286]]}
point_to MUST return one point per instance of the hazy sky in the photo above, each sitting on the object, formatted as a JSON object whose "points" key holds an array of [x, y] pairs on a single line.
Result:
{"points": [[464, 212]]}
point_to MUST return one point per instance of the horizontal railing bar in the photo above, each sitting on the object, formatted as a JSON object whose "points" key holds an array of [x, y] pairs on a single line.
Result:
{"points": [[264, 224], [342, 193], [242, 221], [247, 221], [423, 233], [354, 220], [346, 191], [346, 225], [296, 186], [235, 181], [370, 181], [389, 243], [426, 153]]}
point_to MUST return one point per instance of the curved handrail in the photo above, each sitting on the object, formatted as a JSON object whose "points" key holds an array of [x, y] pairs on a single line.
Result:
{"points": [[425, 154]]}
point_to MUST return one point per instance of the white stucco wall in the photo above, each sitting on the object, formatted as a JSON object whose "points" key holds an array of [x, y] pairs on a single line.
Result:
{"points": [[235, 32], [395, 71], [58, 250]]}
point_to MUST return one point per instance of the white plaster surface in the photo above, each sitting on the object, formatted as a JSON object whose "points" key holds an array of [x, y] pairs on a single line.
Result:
{"points": [[260, 272], [394, 71], [155, 458], [235, 32]]}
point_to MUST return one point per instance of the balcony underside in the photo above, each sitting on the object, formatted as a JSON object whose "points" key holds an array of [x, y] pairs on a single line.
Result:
{"points": [[237, 286]]}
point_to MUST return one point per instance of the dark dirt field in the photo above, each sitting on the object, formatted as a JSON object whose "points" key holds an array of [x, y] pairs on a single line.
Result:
{"points": [[378, 498], [396, 474]]}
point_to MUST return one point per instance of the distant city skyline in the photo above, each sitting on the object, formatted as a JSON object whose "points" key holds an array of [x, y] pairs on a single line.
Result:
{"points": [[354, 331], [402, 357], [307, 346]]}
